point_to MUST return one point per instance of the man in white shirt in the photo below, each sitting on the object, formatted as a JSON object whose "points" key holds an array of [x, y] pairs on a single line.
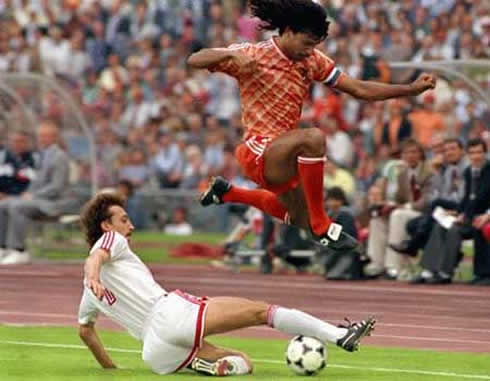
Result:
{"points": [[173, 325]]}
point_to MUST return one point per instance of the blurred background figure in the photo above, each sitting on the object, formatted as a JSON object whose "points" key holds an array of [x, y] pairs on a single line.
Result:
{"points": [[45, 197]]}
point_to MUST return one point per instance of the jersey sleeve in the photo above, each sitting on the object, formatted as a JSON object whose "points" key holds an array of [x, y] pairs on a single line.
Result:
{"points": [[114, 243], [229, 66], [325, 70], [87, 312]]}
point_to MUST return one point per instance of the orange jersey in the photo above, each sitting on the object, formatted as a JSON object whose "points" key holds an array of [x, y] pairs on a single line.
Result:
{"points": [[272, 97]]}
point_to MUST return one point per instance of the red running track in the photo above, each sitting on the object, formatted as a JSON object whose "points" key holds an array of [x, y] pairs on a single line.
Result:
{"points": [[451, 317]]}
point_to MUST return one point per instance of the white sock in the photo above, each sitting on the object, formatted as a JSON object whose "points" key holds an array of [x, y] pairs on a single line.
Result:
{"points": [[294, 322], [240, 366]]}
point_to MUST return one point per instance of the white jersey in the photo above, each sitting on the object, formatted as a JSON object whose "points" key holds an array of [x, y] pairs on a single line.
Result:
{"points": [[131, 291]]}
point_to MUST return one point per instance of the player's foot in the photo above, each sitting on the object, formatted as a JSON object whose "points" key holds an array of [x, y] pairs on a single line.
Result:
{"points": [[216, 189], [336, 239], [355, 332], [221, 367]]}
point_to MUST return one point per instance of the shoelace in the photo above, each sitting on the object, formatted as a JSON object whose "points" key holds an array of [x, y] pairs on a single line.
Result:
{"points": [[346, 326]]}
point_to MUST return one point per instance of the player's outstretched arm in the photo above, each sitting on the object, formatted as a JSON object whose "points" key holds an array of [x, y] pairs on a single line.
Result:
{"points": [[377, 91], [89, 336], [206, 58], [210, 58]]}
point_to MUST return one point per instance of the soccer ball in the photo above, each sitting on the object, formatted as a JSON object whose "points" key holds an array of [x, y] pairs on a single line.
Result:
{"points": [[306, 356]]}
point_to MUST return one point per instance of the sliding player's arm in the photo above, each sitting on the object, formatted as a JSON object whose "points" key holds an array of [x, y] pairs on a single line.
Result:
{"points": [[92, 271], [89, 336], [377, 91]]}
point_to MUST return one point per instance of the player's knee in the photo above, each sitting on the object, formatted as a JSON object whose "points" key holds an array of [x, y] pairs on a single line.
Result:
{"points": [[259, 313], [314, 141]]}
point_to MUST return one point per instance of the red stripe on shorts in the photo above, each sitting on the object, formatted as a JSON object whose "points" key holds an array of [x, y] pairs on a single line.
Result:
{"points": [[199, 327]]}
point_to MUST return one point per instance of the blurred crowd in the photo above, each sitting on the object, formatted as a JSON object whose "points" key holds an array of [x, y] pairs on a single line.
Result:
{"points": [[157, 123], [160, 125]]}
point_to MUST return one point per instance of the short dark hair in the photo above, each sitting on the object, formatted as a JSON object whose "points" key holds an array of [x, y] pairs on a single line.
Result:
{"points": [[454, 140], [301, 16], [336, 193], [96, 211], [410, 142], [476, 142]]}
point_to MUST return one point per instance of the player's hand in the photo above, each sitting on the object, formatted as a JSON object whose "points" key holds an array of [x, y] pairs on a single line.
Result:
{"points": [[424, 82], [96, 288], [247, 65]]}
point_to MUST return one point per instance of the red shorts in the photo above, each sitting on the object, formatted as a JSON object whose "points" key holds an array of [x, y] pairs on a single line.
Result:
{"points": [[250, 155]]}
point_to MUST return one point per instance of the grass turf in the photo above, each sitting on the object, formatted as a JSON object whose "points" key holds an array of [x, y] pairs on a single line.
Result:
{"points": [[74, 363], [151, 246]]}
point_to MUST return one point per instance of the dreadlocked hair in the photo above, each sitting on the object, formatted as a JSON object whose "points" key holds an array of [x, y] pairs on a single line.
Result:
{"points": [[301, 16], [96, 211]]}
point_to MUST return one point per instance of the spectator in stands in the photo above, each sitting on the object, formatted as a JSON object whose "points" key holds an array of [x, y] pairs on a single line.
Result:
{"points": [[339, 143], [341, 265], [119, 36], [168, 162], [336, 176], [45, 197], [405, 196], [339, 211], [447, 193], [442, 253], [426, 121], [54, 51], [179, 224], [194, 172], [136, 170], [17, 165], [97, 47], [214, 152], [396, 128]]}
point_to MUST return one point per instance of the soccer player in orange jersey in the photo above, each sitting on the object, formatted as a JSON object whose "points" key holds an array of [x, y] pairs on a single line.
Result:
{"points": [[274, 78]]}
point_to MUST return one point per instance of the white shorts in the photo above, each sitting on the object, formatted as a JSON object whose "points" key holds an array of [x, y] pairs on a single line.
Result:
{"points": [[174, 333]]}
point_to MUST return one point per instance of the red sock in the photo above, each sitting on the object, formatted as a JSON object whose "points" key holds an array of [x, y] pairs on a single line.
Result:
{"points": [[310, 171], [260, 198]]}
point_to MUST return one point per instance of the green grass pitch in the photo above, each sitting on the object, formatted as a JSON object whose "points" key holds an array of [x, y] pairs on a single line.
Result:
{"points": [[57, 354]]}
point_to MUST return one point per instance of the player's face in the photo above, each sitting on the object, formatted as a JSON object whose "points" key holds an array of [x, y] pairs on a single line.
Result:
{"points": [[120, 222], [301, 45]]}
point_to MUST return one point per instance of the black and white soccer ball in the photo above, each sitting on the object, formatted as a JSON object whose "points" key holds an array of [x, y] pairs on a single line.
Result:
{"points": [[306, 356]]}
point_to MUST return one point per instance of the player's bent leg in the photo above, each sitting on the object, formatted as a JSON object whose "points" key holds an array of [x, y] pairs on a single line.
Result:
{"points": [[302, 153], [215, 361], [220, 191], [224, 314]]}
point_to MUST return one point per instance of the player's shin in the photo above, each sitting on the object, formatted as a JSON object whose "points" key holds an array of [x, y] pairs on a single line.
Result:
{"points": [[259, 198], [310, 171], [294, 322]]}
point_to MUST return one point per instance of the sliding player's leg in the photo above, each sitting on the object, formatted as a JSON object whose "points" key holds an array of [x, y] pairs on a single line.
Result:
{"points": [[216, 361], [226, 314]]}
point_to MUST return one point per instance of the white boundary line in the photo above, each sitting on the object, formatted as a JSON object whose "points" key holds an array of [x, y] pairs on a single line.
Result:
{"points": [[433, 327], [341, 366]]}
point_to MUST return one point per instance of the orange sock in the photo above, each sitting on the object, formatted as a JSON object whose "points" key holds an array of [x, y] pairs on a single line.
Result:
{"points": [[261, 199], [310, 171]]}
